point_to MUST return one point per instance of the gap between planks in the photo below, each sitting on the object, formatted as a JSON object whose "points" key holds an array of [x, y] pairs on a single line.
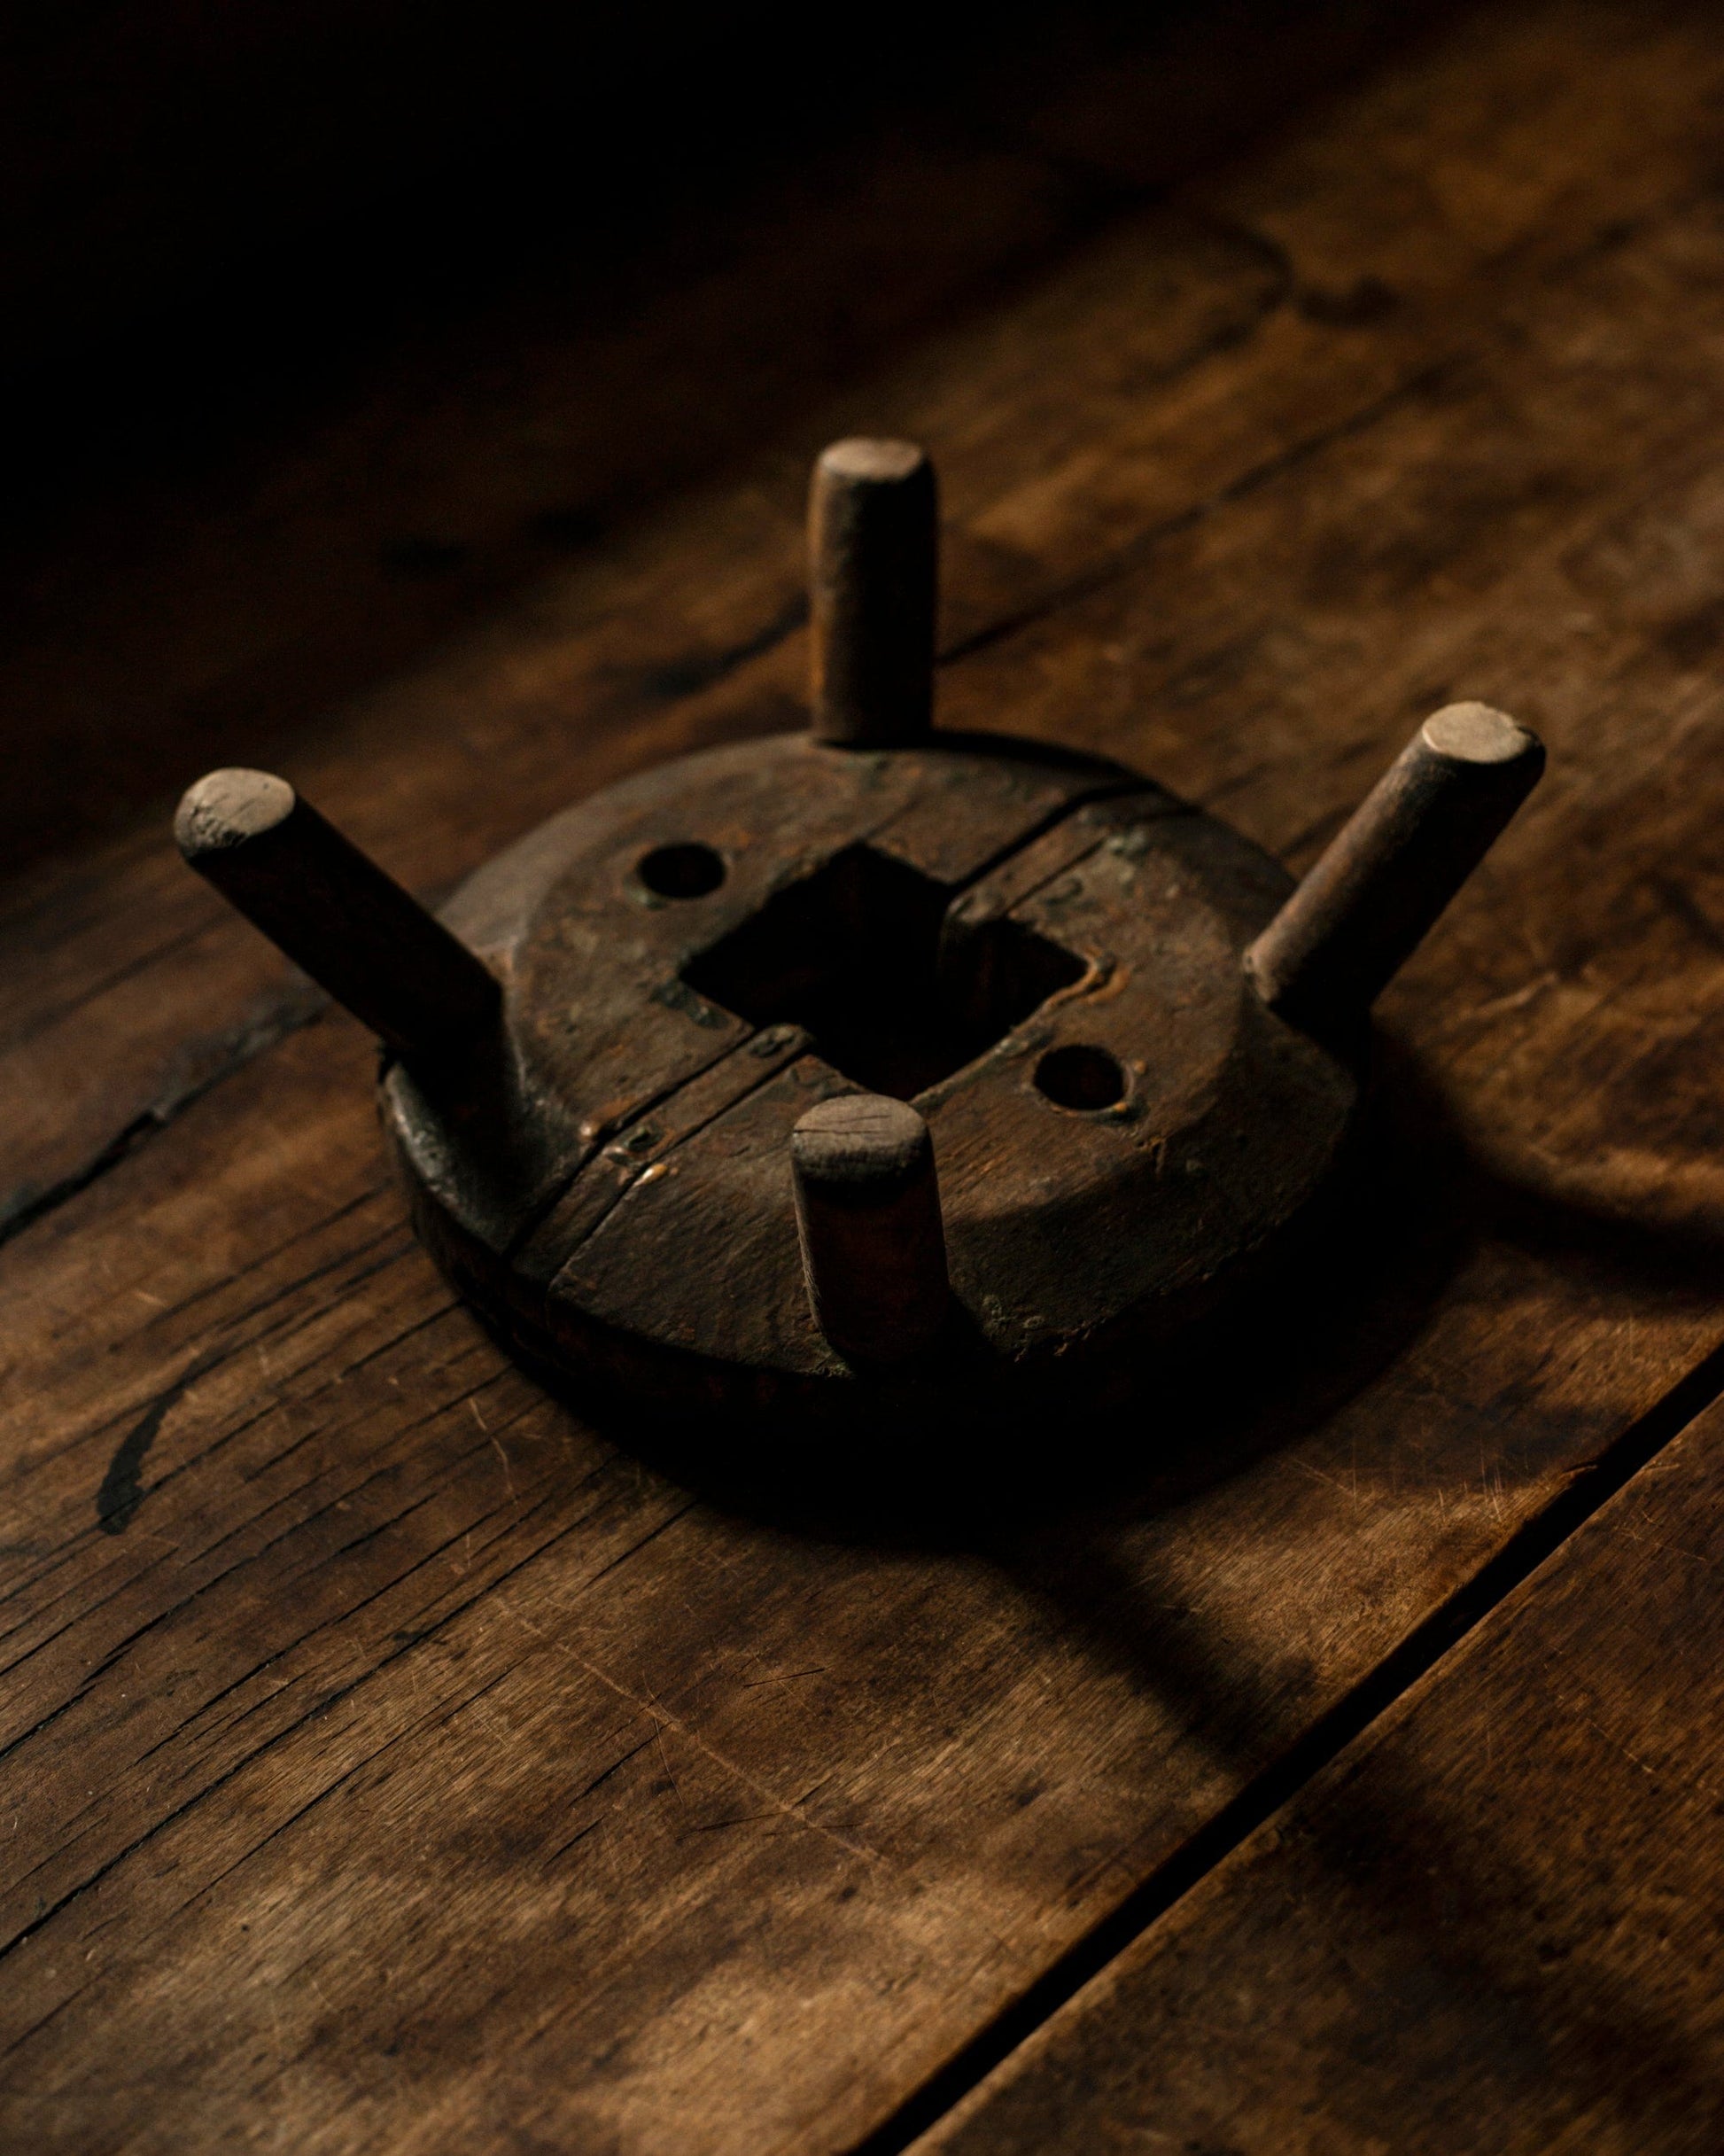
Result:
{"points": [[1536, 1541]]}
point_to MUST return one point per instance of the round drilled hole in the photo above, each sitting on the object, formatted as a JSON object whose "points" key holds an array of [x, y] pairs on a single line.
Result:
{"points": [[684, 870], [1083, 1079]]}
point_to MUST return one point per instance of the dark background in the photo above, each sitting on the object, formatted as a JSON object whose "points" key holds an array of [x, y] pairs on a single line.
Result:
{"points": [[328, 324]]}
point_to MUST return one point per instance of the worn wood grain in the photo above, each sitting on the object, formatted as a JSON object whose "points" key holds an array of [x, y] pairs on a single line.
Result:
{"points": [[1496, 1923], [338, 1657], [392, 1757]]}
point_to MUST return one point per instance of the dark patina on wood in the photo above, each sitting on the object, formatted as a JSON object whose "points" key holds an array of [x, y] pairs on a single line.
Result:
{"points": [[397, 1764], [1134, 1051]]}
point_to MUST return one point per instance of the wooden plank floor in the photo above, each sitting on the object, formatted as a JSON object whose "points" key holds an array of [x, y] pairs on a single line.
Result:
{"points": [[394, 1761], [1495, 1923]]}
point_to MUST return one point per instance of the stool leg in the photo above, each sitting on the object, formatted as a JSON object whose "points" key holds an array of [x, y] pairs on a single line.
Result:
{"points": [[1386, 877], [874, 1248], [336, 913], [872, 541]]}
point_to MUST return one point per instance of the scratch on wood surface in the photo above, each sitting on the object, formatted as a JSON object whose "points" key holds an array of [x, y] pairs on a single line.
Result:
{"points": [[665, 1719], [1333, 1481], [1617, 1745], [664, 1761], [1516, 999]]}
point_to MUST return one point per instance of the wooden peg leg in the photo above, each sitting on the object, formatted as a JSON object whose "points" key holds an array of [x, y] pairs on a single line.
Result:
{"points": [[873, 1247], [873, 540], [335, 913], [1384, 880]]}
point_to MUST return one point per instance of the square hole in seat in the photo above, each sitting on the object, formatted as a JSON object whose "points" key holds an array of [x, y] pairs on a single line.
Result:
{"points": [[853, 953]]}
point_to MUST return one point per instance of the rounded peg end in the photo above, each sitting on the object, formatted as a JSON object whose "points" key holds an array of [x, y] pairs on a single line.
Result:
{"points": [[872, 460], [1387, 877], [868, 1215], [226, 808], [861, 1144], [335, 913], [873, 540], [1478, 734]]}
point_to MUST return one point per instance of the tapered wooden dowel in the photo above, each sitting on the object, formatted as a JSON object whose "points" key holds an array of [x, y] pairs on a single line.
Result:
{"points": [[1384, 880], [874, 1249], [335, 913], [872, 538]]}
